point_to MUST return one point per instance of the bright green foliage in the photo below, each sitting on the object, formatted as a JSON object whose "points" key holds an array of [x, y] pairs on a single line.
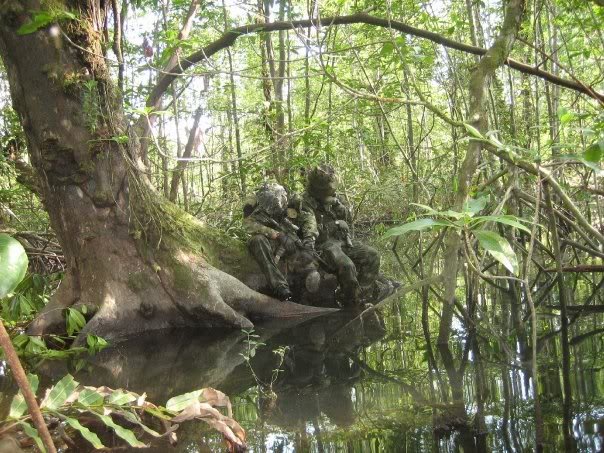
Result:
{"points": [[75, 320], [416, 225], [13, 264], [91, 437], [499, 248], [33, 433], [467, 221]]}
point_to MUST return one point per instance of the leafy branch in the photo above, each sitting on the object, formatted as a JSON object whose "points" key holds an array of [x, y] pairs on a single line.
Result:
{"points": [[469, 222]]}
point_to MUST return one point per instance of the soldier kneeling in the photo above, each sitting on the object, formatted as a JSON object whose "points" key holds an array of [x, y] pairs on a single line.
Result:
{"points": [[271, 219]]}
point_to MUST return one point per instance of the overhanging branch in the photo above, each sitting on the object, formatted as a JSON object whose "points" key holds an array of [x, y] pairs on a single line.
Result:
{"points": [[229, 37]]}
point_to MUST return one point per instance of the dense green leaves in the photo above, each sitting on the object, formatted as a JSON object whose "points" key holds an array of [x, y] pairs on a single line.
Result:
{"points": [[13, 264]]}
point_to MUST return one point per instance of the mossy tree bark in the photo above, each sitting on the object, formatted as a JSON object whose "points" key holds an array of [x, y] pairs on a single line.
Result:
{"points": [[137, 261]]}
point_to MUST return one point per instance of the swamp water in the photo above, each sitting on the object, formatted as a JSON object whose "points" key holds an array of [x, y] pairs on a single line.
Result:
{"points": [[359, 385]]}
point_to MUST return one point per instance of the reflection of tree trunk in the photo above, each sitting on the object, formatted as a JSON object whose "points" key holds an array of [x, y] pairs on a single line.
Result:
{"points": [[563, 295], [478, 86]]}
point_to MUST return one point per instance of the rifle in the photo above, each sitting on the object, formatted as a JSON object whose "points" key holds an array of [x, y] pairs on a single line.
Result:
{"points": [[291, 231]]}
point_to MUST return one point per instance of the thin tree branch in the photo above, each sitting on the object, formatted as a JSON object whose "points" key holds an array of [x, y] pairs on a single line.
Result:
{"points": [[229, 37]]}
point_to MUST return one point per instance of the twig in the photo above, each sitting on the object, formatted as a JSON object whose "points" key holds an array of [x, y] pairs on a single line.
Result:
{"points": [[23, 383]]}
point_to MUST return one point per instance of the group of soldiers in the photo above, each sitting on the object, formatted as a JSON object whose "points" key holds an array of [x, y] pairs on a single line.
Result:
{"points": [[312, 230]]}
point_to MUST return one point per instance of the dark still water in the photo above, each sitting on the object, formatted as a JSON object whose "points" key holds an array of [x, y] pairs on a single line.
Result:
{"points": [[368, 384]]}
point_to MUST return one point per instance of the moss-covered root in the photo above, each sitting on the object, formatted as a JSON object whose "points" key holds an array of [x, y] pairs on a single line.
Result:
{"points": [[256, 306]]}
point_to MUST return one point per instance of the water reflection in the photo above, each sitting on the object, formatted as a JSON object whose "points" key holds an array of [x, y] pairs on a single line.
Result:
{"points": [[365, 384]]}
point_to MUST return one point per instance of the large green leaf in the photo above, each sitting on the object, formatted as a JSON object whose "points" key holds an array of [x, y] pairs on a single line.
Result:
{"points": [[178, 403], [89, 397], [595, 151], [426, 207], [416, 225], [18, 406], [85, 432], [133, 418], [499, 248], [505, 219], [75, 321], [122, 432], [475, 205], [33, 433], [58, 394], [42, 19], [473, 131], [13, 264], [119, 398]]}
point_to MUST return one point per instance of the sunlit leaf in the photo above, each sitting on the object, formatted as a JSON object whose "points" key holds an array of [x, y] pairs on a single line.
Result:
{"points": [[89, 397], [473, 131], [178, 403], [18, 405], [41, 19], [475, 205], [499, 248], [453, 214], [33, 433], [427, 208], [85, 432], [119, 398], [122, 432], [505, 219], [75, 320], [59, 393], [13, 264], [416, 225]]}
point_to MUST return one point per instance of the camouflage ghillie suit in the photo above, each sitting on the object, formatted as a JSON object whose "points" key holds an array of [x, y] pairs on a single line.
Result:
{"points": [[269, 218], [356, 265]]}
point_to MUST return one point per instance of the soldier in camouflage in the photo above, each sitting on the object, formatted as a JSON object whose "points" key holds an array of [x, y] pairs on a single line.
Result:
{"points": [[269, 218], [356, 265]]}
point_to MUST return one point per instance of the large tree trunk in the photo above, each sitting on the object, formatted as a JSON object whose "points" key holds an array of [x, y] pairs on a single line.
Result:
{"points": [[137, 261]]}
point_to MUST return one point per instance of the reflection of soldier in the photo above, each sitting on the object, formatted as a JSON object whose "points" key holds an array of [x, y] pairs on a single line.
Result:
{"points": [[357, 265], [269, 217], [320, 369]]}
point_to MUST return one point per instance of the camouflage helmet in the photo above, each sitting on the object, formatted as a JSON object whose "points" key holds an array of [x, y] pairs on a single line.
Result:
{"points": [[321, 181], [272, 198]]}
